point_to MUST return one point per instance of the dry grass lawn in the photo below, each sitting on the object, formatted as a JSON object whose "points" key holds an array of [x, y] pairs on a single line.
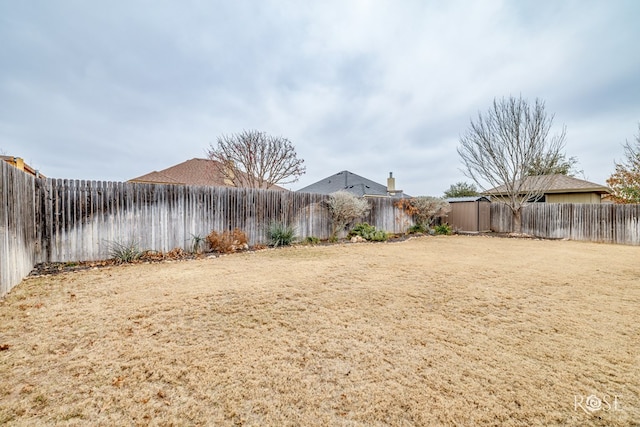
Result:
{"points": [[431, 331]]}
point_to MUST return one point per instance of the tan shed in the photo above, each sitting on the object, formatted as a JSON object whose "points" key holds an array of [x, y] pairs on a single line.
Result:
{"points": [[470, 214]]}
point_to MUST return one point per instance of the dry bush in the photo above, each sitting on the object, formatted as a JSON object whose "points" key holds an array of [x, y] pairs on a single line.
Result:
{"points": [[425, 209], [344, 208], [228, 241], [149, 256], [156, 256], [176, 253]]}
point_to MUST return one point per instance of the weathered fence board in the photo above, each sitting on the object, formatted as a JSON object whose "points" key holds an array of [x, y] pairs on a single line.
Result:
{"points": [[501, 218], [17, 226], [607, 223]]}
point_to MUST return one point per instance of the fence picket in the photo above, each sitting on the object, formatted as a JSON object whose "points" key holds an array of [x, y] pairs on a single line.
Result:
{"points": [[606, 223], [18, 229]]}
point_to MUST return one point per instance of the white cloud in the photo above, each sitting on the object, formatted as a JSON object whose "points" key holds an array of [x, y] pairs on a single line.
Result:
{"points": [[121, 89]]}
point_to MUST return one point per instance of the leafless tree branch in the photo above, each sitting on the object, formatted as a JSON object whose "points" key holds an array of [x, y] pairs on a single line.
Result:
{"points": [[502, 146], [256, 160]]}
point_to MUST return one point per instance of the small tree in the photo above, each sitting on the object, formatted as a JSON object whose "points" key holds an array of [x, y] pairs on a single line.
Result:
{"points": [[625, 181], [344, 208], [554, 166], [461, 189], [256, 160], [502, 146]]}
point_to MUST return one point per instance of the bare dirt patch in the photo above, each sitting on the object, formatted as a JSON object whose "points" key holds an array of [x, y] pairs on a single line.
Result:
{"points": [[453, 330]]}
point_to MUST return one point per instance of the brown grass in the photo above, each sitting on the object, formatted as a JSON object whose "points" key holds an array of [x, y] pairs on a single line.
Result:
{"points": [[430, 331]]}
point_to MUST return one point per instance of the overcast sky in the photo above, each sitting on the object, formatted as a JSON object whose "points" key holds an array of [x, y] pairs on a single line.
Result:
{"points": [[110, 90]]}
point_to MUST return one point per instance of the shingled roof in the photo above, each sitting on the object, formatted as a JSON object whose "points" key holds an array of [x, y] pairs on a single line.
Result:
{"points": [[192, 172], [555, 184], [349, 181]]}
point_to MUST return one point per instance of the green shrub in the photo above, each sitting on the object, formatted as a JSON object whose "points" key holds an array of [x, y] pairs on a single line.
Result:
{"points": [[369, 232], [312, 240], [379, 236], [281, 234], [418, 228], [125, 252], [443, 229], [361, 230]]}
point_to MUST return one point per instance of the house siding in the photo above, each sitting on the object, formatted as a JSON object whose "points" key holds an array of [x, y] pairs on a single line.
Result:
{"points": [[573, 198]]}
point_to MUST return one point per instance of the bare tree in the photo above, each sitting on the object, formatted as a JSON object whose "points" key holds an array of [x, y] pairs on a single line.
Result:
{"points": [[344, 208], [256, 160], [502, 146]]}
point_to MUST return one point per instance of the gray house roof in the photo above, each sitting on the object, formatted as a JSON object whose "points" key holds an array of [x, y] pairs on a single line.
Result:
{"points": [[349, 181]]}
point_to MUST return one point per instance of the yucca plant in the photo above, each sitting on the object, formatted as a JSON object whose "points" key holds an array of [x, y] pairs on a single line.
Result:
{"points": [[197, 243], [125, 252], [280, 234]]}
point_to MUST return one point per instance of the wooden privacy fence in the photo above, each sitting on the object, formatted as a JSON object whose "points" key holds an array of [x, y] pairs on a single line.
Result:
{"points": [[17, 226], [607, 223], [501, 218], [81, 220], [55, 220]]}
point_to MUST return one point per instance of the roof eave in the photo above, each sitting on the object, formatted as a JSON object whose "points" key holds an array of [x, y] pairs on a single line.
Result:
{"points": [[559, 191]]}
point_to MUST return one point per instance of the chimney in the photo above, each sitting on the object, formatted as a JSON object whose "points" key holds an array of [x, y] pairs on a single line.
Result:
{"points": [[391, 184]]}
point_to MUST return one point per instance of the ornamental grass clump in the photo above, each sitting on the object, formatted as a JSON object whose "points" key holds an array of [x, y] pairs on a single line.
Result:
{"points": [[280, 234], [197, 243], [125, 252]]}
